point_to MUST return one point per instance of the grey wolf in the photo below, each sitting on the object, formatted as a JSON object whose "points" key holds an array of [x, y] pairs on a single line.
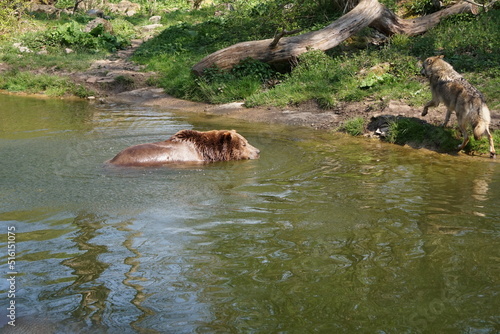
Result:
{"points": [[457, 94], [188, 146]]}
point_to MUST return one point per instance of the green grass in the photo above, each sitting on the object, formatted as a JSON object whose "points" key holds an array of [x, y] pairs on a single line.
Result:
{"points": [[343, 74], [347, 78], [417, 133], [51, 85], [185, 42], [354, 127], [482, 146], [56, 59]]}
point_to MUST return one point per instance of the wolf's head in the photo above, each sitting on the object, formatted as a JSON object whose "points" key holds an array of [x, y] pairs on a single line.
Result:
{"points": [[429, 63], [435, 68]]}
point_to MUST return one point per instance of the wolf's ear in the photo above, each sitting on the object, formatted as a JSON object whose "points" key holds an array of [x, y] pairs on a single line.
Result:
{"points": [[440, 57]]}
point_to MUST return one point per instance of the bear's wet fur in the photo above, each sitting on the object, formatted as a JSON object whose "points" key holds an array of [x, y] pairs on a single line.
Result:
{"points": [[189, 146]]}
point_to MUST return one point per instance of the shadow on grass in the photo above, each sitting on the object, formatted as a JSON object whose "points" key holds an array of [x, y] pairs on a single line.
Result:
{"points": [[417, 133]]}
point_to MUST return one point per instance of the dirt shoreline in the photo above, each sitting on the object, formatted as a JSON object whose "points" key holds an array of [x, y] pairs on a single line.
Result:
{"points": [[306, 114]]}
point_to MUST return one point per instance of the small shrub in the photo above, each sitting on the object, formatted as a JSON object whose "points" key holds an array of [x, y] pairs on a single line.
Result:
{"points": [[403, 130], [123, 28], [354, 127], [253, 68]]}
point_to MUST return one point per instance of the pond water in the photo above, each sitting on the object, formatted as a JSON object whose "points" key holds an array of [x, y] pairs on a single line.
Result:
{"points": [[324, 233]]}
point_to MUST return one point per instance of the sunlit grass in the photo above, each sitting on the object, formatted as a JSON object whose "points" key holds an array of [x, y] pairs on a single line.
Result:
{"points": [[418, 133], [51, 85]]}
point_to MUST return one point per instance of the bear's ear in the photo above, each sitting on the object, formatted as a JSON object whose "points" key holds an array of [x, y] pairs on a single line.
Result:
{"points": [[226, 137], [181, 134], [184, 135]]}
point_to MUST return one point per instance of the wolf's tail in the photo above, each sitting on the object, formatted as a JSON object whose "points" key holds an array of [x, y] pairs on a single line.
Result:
{"points": [[483, 123]]}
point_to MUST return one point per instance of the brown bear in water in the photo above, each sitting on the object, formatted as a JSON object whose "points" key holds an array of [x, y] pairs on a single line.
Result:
{"points": [[188, 145]]}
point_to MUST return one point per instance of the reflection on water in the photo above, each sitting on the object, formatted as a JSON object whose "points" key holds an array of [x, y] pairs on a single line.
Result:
{"points": [[86, 268], [323, 233]]}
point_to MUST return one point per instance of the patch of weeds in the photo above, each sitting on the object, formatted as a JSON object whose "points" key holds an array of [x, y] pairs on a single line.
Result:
{"points": [[354, 127], [419, 7], [235, 90], [10, 16], [81, 91], [123, 28]]}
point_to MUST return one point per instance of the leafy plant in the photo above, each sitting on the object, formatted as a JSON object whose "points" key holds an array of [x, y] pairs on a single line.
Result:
{"points": [[374, 79], [123, 28]]}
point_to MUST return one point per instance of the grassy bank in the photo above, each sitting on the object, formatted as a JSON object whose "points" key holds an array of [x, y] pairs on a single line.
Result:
{"points": [[417, 133], [351, 72], [363, 67]]}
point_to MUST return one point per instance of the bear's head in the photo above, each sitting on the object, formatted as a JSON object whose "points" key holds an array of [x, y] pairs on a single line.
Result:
{"points": [[219, 145]]}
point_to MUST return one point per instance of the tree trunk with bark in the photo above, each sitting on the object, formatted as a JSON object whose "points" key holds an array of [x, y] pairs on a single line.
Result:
{"points": [[366, 13]]}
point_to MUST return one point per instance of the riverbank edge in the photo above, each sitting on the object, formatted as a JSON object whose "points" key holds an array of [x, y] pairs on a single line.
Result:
{"points": [[375, 113], [117, 79]]}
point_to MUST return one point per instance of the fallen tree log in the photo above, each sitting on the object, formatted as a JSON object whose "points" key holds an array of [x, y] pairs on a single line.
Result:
{"points": [[366, 13], [390, 24]]}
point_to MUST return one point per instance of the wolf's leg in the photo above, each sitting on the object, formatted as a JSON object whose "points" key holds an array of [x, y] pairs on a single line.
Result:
{"points": [[492, 146], [447, 117], [463, 129], [431, 103]]}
